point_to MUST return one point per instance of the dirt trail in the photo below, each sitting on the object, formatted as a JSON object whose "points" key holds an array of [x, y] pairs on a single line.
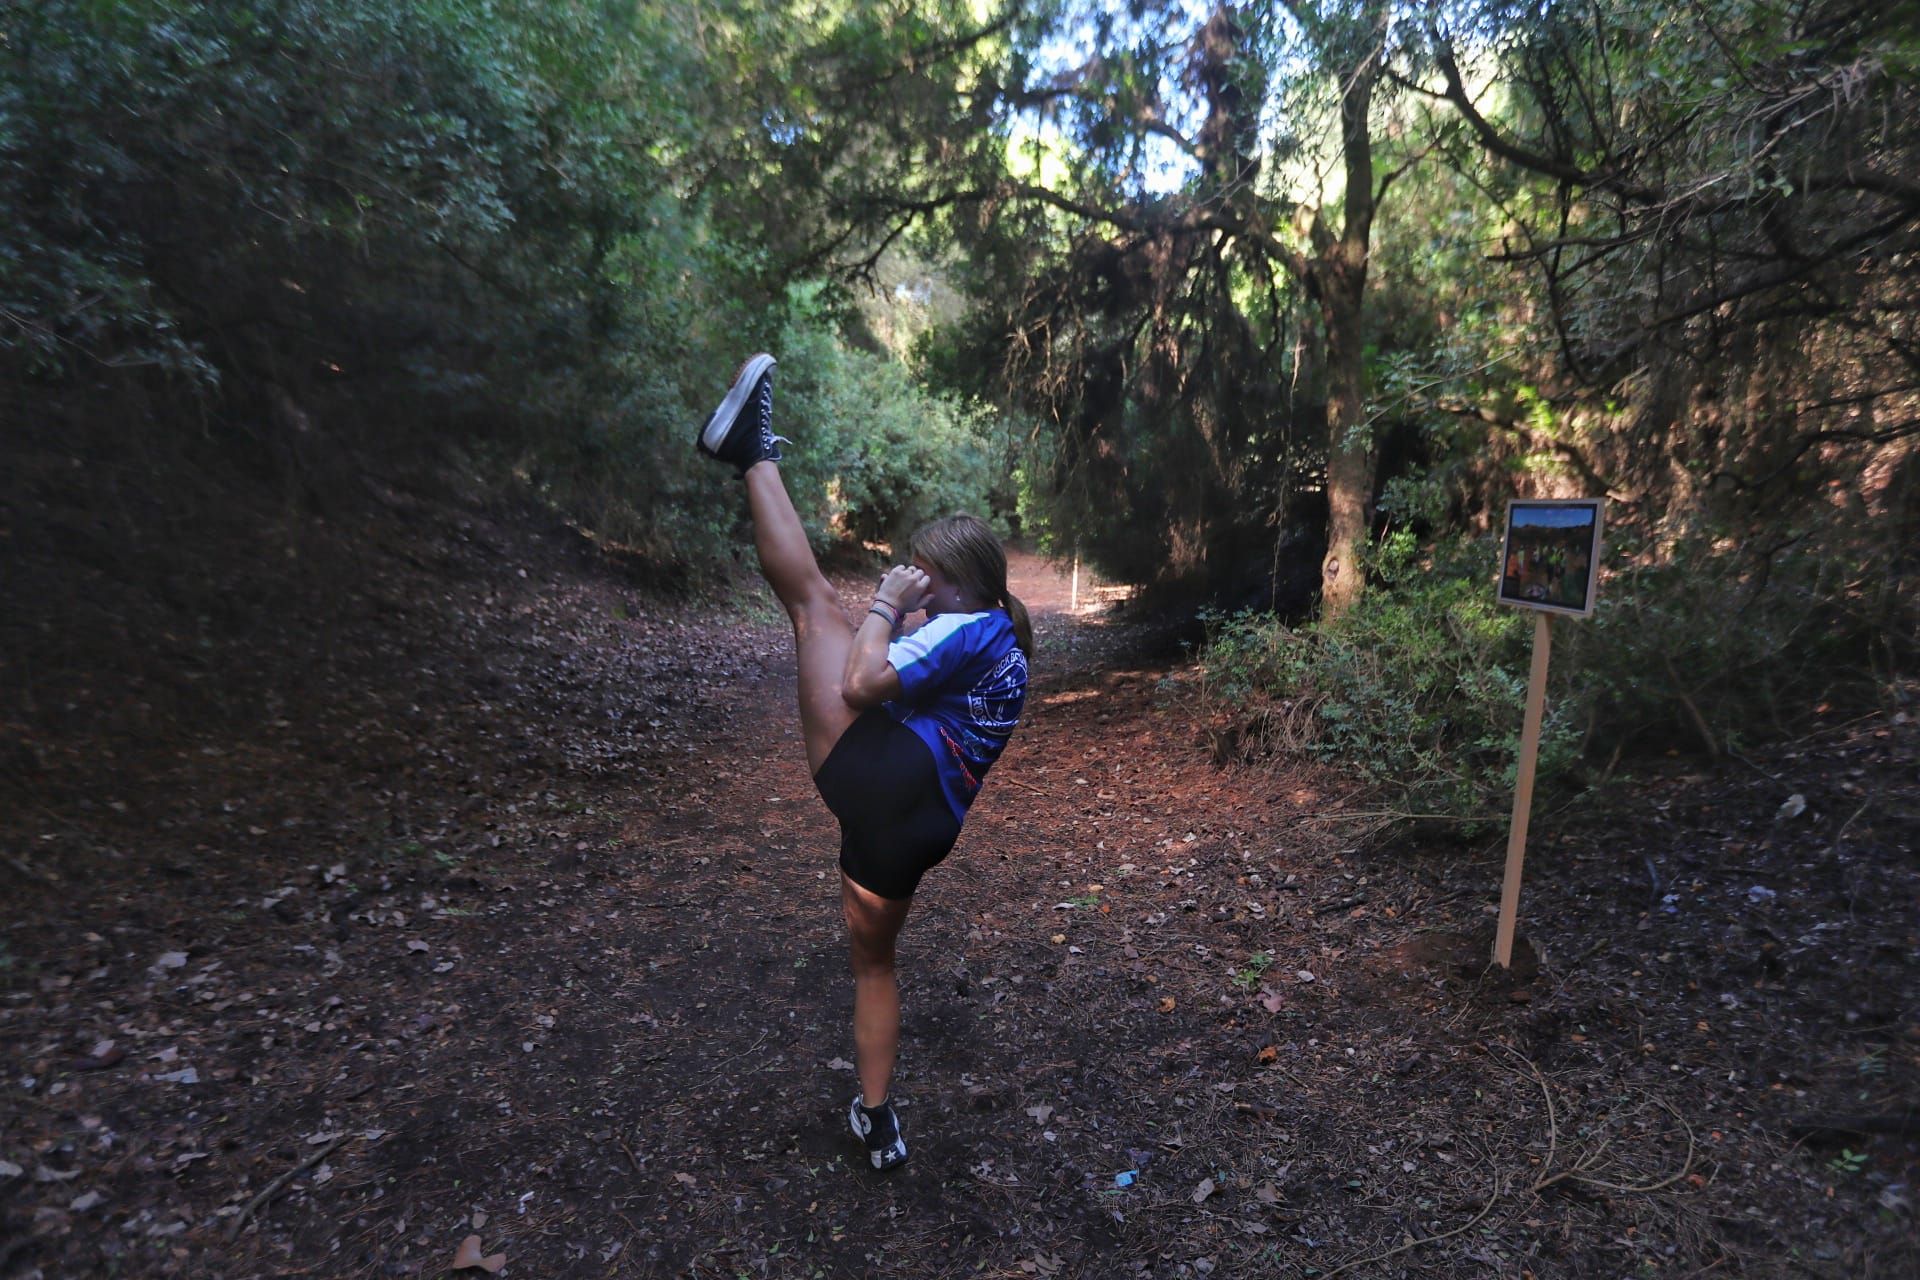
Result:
{"points": [[517, 918]]}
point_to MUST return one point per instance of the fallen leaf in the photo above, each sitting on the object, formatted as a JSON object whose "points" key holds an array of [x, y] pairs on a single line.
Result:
{"points": [[1269, 1054], [80, 1204], [686, 1179], [1267, 1193], [105, 1054], [1272, 1001], [1040, 1113], [1059, 938], [468, 1256], [414, 944], [839, 1064], [171, 960], [1166, 1004], [1202, 1191], [1303, 974]]}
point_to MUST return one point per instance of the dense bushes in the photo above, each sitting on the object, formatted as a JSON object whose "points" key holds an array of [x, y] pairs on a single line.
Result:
{"points": [[872, 455], [179, 178], [1418, 688], [516, 227], [1694, 646]]}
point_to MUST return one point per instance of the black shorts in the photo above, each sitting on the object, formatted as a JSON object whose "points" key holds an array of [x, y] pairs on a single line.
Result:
{"points": [[880, 782]]}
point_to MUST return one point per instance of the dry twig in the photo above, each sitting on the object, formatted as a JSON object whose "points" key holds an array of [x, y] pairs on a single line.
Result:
{"points": [[273, 1188], [1404, 1246], [1580, 1171]]}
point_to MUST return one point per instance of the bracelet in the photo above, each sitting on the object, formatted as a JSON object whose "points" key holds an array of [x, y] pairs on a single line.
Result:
{"points": [[880, 609]]}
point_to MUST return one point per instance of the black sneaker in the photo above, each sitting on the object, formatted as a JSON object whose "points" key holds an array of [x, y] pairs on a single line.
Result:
{"points": [[879, 1128], [741, 429]]}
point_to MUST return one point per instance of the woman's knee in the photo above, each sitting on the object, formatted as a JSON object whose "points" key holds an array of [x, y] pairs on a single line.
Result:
{"points": [[870, 942], [873, 923], [871, 961]]}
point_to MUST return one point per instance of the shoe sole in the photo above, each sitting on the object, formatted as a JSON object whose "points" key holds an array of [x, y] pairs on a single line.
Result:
{"points": [[714, 434]]}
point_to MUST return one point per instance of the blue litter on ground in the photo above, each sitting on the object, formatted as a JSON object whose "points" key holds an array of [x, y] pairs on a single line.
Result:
{"points": [[1125, 1179]]}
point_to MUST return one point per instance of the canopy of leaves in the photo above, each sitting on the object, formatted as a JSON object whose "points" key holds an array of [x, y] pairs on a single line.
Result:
{"points": [[1190, 261], [544, 229]]}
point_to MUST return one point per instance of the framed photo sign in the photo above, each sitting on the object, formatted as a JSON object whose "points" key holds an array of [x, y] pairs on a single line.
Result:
{"points": [[1551, 559], [1549, 564]]}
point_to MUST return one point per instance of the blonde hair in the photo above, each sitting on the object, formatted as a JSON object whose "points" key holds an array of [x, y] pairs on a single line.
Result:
{"points": [[968, 554]]}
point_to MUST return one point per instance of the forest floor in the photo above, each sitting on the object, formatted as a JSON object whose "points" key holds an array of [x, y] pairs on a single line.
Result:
{"points": [[500, 906]]}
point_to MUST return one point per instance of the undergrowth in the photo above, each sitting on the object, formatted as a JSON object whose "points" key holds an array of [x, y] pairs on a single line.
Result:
{"points": [[1420, 688]]}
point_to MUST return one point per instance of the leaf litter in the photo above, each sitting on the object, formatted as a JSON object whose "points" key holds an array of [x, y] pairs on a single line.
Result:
{"points": [[568, 777]]}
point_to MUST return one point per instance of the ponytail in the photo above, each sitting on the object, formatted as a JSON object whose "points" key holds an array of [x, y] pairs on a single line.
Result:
{"points": [[1022, 627]]}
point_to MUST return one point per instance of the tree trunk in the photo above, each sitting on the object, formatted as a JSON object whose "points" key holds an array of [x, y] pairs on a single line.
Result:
{"points": [[1342, 279], [1350, 452]]}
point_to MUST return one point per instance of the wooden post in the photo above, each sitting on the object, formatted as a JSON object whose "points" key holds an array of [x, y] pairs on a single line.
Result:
{"points": [[1523, 789]]}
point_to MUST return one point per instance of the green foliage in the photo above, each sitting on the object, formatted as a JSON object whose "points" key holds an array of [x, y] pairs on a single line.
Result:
{"points": [[547, 229], [1419, 688], [161, 161], [1248, 977], [544, 230], [873, 453], [1848, 1162], [877, 455], [1136, 287], [1705, 641]]}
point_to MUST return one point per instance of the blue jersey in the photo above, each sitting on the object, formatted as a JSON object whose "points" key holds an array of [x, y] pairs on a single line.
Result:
{"points": [[963, 682]]}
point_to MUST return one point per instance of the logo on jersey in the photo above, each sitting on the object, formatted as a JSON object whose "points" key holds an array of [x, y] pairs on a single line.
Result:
{"points": [[994, 704]]}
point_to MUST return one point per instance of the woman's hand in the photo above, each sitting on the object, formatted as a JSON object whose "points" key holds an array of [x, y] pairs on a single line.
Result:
{"points": [[870, 679], [905, 588]]}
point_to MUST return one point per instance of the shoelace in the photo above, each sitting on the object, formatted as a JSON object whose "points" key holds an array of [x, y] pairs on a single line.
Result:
{"points": [[767, 439]]}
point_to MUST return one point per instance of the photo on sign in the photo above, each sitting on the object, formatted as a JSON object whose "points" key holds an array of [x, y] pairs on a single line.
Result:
{"points": [[1552, 555]]}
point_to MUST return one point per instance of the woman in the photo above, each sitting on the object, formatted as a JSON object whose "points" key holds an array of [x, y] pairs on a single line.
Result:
{"points": [[899, 731]]}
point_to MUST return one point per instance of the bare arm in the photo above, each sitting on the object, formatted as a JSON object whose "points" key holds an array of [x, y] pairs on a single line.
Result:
{"points": [[870, 679]]}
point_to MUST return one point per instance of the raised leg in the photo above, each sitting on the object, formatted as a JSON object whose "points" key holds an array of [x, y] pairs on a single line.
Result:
{"points": [[822, 633], [873, 923]]}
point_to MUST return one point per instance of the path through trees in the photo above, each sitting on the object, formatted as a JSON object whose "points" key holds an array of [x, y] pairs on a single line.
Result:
{"points": [[516, 918]]}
